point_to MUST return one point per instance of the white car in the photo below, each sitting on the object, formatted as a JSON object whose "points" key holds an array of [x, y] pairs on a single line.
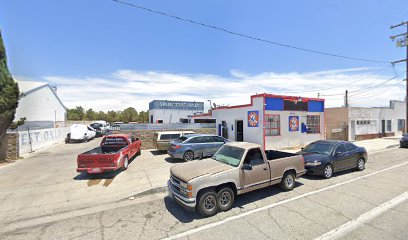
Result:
{"points": [[80, 133], [101, 127]]}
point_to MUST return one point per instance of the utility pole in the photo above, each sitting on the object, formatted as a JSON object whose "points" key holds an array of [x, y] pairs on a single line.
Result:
{"points": [[346, 102], [402, 41]]}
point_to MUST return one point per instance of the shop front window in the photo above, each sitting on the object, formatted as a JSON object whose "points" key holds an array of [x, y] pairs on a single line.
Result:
{"points": [[313, 123], [272, 125]]}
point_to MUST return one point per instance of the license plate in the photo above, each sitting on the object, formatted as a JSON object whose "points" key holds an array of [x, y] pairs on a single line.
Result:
{"points": [[96, 170]]}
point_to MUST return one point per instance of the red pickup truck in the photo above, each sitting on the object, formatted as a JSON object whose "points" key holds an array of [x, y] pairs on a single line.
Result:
{"points": [[113, 153]]}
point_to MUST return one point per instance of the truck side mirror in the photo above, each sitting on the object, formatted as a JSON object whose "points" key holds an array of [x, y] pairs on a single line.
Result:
{"points": [[247, 167]]}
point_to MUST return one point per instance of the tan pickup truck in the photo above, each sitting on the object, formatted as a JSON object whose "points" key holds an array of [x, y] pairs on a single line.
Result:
{"points": [[210, 185]]}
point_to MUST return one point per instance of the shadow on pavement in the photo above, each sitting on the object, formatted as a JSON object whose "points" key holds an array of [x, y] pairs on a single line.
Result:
{"points": [[319, 178], [186, 216], [96, 176], [157, 152], [179, 212], [173, 160]]}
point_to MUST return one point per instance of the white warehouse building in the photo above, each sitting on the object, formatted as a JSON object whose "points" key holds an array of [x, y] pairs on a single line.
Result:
{"points": [[360, 123], [40, 105], [164, 111]]}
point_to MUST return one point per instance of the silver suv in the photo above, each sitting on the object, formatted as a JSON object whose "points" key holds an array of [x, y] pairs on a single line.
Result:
{"points": [[195, 146]]}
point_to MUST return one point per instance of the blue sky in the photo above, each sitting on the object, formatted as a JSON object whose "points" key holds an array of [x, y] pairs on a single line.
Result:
{"points": [[86, 41]]}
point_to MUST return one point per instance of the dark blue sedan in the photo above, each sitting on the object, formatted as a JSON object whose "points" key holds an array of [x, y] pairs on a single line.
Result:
{"points": [[404, 141], [327, 157]]}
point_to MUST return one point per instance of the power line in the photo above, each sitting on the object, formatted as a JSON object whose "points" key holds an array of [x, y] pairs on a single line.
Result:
{"points": [[374, 86], [340, 85], [246, 35], [365, 89]]}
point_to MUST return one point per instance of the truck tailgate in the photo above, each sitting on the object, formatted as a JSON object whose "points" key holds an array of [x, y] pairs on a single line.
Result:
{"points": [[97, 162]]}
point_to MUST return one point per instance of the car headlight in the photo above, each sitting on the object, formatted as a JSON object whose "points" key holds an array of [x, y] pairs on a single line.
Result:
{"points": [[315, 163]]}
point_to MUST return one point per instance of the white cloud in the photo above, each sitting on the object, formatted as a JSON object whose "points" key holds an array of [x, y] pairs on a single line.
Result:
{"points": [[128, 88]]}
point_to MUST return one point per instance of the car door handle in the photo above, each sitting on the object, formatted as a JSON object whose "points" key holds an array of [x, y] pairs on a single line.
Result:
{"points": [[265, 169]]}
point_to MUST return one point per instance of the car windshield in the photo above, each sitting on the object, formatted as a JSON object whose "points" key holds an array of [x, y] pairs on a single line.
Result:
{"points": [[229, 155], [181, 139], [320, 148], [96, 125]]}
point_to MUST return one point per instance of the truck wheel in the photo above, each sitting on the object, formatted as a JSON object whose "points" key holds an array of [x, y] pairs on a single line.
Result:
{"points": [[68, 138], [125, 163], [207, 204], [188, 156], [288, 181], [225, 199]]}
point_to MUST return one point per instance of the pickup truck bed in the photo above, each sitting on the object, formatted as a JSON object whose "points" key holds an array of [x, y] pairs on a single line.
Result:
{"points": [[273, 154], [103, 150]]}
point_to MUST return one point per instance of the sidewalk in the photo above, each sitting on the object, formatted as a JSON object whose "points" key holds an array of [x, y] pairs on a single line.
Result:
{"points": [[378, 144], [372, 145]]}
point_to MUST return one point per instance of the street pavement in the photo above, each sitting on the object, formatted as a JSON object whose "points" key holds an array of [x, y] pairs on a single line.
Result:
{"points": [[44, 198]]}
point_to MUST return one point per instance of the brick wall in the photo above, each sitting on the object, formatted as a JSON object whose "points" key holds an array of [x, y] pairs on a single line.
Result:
{"points": [[147, 135]]}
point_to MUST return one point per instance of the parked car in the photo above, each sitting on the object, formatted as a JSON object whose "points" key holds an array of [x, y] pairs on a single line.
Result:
{"points": [[327, 157], [195, 146], [161, 140], [114, 152], [211, 185], [80, 133], [101, 128], [404, 141]]}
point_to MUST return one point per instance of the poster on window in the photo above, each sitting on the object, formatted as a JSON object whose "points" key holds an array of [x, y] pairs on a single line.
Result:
{"points": [[253, 118], [293, 123]]}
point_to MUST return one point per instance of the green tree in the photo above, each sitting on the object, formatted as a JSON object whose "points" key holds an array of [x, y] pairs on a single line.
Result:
{"points": [[143, 117], [76, 114], [9, 93], [129, 115], [102, 116], [90, 115], [111, 116]]}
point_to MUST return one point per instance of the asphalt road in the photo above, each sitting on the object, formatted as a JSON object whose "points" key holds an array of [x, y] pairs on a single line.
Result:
{"points": [[371, 204]]}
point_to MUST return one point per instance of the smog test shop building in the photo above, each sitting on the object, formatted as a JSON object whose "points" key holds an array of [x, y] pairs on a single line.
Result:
{"points": [[163, 111], [273, 121]]}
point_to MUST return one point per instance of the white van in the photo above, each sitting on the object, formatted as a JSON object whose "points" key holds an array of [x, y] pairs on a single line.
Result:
{"points": [[161, 140], [80, 133]]}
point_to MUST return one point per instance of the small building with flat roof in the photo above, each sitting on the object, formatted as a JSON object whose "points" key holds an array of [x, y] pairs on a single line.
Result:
{"points": [[273, 121]]}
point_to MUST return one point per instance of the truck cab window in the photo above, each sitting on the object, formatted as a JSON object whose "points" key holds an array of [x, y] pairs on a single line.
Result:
{"points": [[254, 157]]}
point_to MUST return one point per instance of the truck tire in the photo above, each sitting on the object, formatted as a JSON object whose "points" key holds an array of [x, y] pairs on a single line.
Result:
{"points": [[207, 204], [188, 156], [225, 199], [125, 163], [68, 138], [288, 181]]}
